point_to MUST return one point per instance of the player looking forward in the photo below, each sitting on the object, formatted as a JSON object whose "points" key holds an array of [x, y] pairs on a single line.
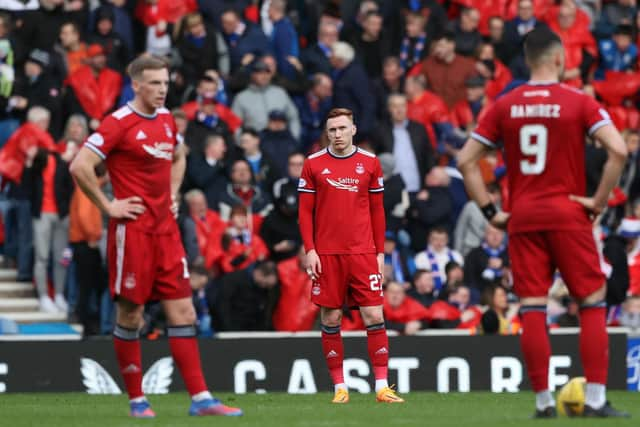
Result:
{"points": [[342, 225], [542, 126], [146, 162]]}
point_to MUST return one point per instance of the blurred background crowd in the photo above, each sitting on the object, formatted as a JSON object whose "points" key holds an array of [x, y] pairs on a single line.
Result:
{"points": [[251, 84]]}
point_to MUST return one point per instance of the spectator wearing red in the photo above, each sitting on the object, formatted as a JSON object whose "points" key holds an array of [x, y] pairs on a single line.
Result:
{"points": [[493, 70], [445, 70], [295, 311], [402, 313], [209, 227], [455, 312], [426, 108], [93, 89], [240, 246], [150, 12], [72, 48], [27, 139], [580, 49]]}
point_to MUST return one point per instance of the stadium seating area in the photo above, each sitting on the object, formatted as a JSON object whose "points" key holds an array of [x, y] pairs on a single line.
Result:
{"points": [[251, 84]]}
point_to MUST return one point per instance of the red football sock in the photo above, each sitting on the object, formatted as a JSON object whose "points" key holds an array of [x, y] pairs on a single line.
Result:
{"points": [[184, 349], [333, 350], [594, 344], [127, 345], [378, 348], [535, 346]]}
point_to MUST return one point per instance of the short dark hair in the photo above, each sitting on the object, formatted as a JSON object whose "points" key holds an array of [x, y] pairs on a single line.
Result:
{"points": [[146, 62], [538, 43], [251, 131], [267, 268], [447, 35]]}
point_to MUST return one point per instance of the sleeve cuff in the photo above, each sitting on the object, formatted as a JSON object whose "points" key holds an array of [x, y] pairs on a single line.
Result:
{"points": [[95, 150], [481, 139], [598, 125], [306, 190]]}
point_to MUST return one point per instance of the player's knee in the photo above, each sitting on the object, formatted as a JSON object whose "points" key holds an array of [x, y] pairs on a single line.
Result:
{"points": [[331, 318], [181, 313], [372, 316], [130, 316]]}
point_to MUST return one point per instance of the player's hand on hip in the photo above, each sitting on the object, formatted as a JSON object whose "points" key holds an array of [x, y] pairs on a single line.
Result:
{"points": [[129, 208], [312, 264], [500, 220], [589, 204]]}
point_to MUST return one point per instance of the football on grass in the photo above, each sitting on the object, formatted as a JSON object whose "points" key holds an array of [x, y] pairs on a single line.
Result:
{"points": [[571, 398]]}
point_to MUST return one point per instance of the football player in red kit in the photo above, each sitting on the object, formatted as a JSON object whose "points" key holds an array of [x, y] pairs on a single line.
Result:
{"points": [[145, 159], [542, 126], [342, 225]]}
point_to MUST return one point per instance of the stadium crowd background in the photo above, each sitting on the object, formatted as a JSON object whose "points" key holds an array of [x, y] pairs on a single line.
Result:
{"points": [[251, 83]]}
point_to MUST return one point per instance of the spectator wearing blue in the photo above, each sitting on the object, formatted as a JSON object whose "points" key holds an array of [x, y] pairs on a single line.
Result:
{"points": [[277, 141], [245, 42], [263, 166], [284, 38], [352, 88], [316, 57], [516, 29], [399, 266], [618, 53], [314, 107]]}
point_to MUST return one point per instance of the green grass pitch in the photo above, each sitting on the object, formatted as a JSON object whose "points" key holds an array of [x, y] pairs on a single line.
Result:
{"points": [[282, 410]]}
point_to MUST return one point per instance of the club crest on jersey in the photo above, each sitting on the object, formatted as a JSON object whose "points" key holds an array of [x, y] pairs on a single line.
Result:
{"points": [[359, 168], [160, 150], [130, 281], [302, 183], [168, 131], [315, 290]]}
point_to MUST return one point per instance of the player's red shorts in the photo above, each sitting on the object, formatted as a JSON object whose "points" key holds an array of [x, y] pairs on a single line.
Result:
{"points": [[144, 267], [534, 257], [348, 279]]}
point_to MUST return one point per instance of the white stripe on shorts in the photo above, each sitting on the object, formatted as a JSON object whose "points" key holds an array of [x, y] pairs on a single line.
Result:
{"points": [[121, 232]]}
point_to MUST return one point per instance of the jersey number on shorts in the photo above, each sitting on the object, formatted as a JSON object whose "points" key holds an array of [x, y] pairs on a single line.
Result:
{"points": [[537, 149], [374, 282]]}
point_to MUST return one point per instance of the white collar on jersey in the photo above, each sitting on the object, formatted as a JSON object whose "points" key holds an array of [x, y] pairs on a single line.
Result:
{"points": [[140, 113], [344, 155]]}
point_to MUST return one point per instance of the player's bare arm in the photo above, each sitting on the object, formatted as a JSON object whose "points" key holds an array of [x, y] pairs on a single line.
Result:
{"points": [[83, 170], [612, 141], [468, 159], [178, 168]]}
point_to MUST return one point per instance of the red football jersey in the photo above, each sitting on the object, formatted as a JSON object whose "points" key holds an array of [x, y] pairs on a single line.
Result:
{"points": [[543, 128], [138, 150], [342, 219]]}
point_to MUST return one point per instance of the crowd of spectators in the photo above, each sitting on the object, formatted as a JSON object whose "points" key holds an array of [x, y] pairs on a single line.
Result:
{"points": [[251, 84]]}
